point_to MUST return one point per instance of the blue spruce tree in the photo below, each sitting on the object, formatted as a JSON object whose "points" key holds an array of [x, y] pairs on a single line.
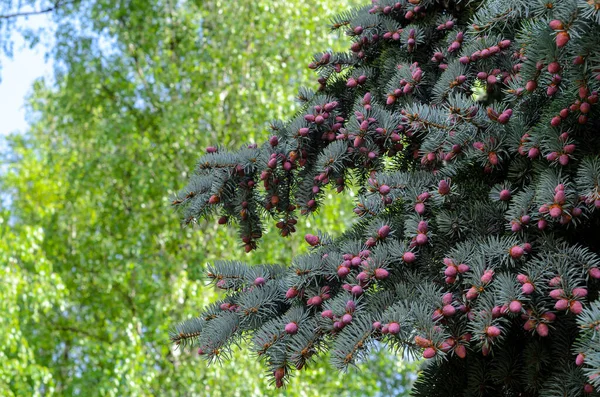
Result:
{"points": [[471, 131]]}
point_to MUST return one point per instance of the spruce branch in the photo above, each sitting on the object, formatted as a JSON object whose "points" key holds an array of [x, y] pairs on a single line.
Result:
{"points": [[469, 130]]}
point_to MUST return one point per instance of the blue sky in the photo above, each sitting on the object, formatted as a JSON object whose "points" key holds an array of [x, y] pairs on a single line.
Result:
{"points": [[18, 75]]}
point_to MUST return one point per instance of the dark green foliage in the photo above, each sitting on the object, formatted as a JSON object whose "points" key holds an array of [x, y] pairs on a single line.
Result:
{"points": [[472, 130]]}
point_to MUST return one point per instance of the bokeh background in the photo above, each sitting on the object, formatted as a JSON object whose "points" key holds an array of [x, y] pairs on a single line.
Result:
{"points": [[122, 98]]}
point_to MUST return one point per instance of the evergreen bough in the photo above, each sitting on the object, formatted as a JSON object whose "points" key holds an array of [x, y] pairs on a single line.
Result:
{"points": [[471, 130]]}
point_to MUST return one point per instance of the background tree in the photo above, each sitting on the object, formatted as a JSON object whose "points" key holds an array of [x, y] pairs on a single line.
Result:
{"points": [[89, 251], [471, 129]]}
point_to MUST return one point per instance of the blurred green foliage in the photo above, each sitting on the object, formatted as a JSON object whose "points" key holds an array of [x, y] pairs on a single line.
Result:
{"points": [[94, 268]]}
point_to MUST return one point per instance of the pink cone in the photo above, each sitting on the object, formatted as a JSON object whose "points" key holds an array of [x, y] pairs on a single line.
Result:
{"points": [[461, 351], [496, 311], [421, 239], [443, 187], [422, 342], [357, 290], [384, 189], [311, 239], [291, 328], [450, 271], [462, 268], [580, 292], [516, 252], [561, 304], [381, 274], [527, 288], [576, 307], [549, 316], [487, 276], [505, 195], [384, 231], [542, 329], [472, 293], [522, 278], [420, 208], [429, 352], [447, 298], [515, 306], [448, 310], [343, 271], [493, 331], [393, 328], [555, 211]]}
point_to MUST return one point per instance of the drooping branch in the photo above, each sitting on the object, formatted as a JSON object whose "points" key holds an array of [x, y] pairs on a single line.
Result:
{"points": [[52, 8], [66, 328]]}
